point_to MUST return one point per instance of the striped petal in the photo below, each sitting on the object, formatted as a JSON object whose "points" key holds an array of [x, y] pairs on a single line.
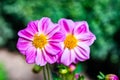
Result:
{"points": [[23, 45], [53, 48], [25, 34], [87, 38], [65, 58], [67, 25], [50, 58], [82, 52], [40, 58], [57, 37], [31, 55], [81, 27], [32, 27], [43, 24]]}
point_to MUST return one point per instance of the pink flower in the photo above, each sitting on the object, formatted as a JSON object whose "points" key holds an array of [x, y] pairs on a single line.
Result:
{"points": [[77, 40], [39, 42], [111, 77]]}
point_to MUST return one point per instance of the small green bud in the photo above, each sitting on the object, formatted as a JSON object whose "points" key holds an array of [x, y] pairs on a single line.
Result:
{"points": [[63, 71], [37, 68], [79, 77]]}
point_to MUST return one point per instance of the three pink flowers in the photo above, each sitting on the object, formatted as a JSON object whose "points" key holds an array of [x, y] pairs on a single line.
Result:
{"points": [[66, 42]]}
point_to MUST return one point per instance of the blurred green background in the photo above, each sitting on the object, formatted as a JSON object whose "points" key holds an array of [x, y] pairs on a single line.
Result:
{"points": [[103, 17]]}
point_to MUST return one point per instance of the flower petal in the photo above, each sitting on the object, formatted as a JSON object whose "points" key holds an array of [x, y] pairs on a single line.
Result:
{"points": [[53, 48], [43, 24], [65, 57], [57, 37], [47, 27], [87, 38], [82, 51], [23, 45], [50, 58], [32, 27], [76, 61], [73, 55], [67, 25], [31, 55], [25, 34], [82, 32], [52, 29], [40, 58], [81, 27]]}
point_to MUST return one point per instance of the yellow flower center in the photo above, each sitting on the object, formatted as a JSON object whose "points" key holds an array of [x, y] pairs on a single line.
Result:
{"points": [[70, 41], [39, 41]]}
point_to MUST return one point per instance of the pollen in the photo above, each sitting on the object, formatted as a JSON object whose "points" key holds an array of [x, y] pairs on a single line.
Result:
{"points": [[70, 41], [39, 41]]}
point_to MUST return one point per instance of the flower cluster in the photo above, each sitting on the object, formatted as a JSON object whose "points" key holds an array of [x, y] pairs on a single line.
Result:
{"points": [[65, 42]]}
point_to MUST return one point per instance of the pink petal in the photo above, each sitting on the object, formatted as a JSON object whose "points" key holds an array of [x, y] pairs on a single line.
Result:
{"points": [[76, 61], [49, 58], [32, 27], [40, 58], [81, 31], [52, 29], [57, 37], [65, 58], [82, 51], [25, 34], [87, 38], [31, 55], [53, 48], [43, 24], [23, 45], [81, 27], [46, 26], [73, 55], [67, 25]]}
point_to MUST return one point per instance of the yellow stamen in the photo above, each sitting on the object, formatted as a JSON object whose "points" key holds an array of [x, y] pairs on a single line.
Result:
{"points": [[70, 41], [39, 41]]}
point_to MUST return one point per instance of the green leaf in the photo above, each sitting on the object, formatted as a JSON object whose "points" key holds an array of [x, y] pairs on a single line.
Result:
{"points": [[102, 75]]}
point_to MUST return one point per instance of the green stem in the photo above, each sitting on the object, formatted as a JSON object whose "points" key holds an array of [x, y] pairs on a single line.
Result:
{"points": [[44, 72], [48, 71], [63, 77], [73, 74]]}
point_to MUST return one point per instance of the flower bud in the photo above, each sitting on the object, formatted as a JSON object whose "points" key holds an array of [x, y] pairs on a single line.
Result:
{"points": [[72, 67], [37, 68], [111, 77], [77, 75], [63, 71]]}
